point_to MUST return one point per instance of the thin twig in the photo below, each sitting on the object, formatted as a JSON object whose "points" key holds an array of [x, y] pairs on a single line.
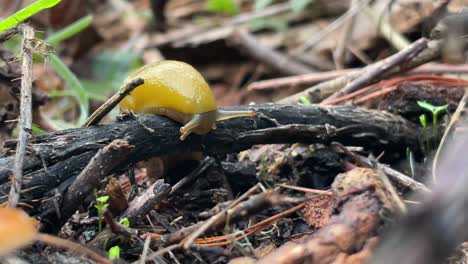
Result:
{"points": [[330, 28], [382, 67], [346, 33], [144, 253], [107, 106], [306, 190], [187, 243], [395, 175], [317, 77], [432, 52], [204, 164], [8, 34], [25, 115], [71, 246], [455, 118], [161, 252], [270, 57], [396, 39], [298, 80], [225, 240]]}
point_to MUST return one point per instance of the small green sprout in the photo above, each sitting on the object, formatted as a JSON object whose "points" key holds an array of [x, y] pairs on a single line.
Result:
{"points": [[435, 110], [101, 204], [410, 158], [114, 253], [423, 121], [304, 100], [125, 222]]}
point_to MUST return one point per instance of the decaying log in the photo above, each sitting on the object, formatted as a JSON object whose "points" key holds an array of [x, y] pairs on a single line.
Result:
{"points": [[360, 201], [56, 158]]}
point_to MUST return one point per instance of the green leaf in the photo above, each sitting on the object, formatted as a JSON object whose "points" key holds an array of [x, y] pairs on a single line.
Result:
{"points": [[102, 199], [439, 109], [125, 222], [299, 5], [228, 7], [114, 253], [423, 120], [26, 12], [427, 106], [69, 31], [261, 4]]}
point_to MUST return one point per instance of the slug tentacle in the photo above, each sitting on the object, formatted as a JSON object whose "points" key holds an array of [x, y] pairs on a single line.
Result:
{"points": [[223, 115], [190, 127]]}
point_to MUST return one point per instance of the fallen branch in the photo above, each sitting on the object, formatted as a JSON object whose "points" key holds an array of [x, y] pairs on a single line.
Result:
{"points": [[98, 167], [60, 156]]}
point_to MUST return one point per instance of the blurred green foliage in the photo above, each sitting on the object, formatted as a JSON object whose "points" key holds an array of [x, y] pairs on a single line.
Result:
{"points": [[69, 31], [108, 70], [296, 5], [261, 4], [228, 7], [276, 24]]}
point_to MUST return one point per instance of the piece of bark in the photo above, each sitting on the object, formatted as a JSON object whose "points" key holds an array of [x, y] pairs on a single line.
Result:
{"points": [[360, 201], [143, 204]]}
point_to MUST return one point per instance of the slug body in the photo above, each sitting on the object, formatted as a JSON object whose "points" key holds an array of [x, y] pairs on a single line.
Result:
{"points": [[176, 90]]}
